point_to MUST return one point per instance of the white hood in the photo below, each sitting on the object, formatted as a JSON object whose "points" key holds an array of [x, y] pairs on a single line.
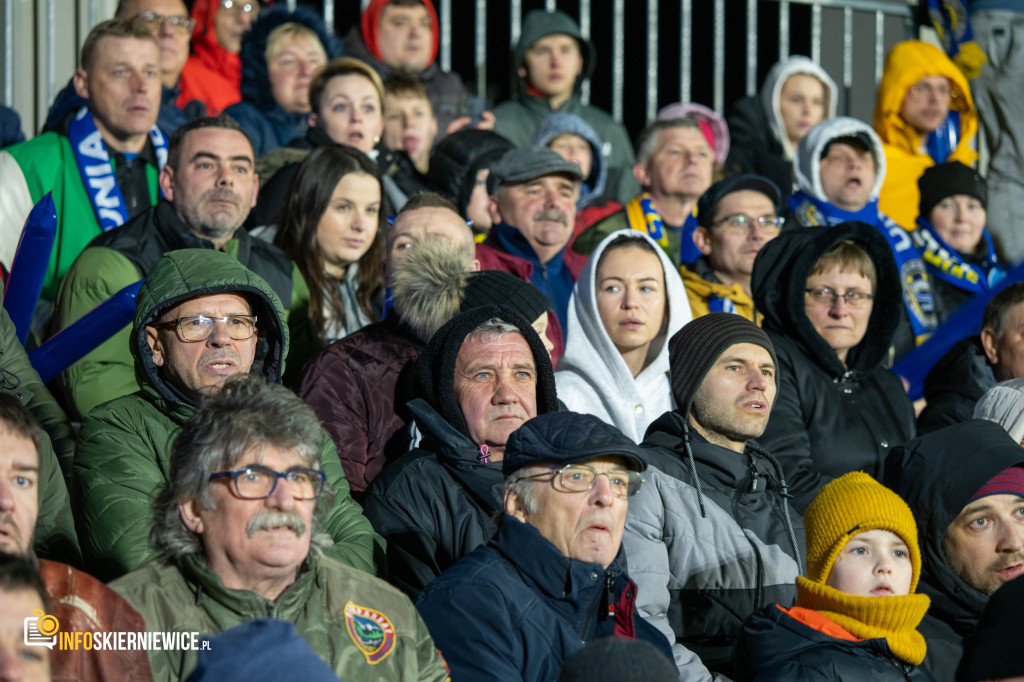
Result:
{"points": [[771, 89], [807, 164]]}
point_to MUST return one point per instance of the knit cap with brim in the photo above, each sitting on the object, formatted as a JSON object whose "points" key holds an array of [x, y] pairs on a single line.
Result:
{"points": [[497, 287], [850, 505], [698, 345]]}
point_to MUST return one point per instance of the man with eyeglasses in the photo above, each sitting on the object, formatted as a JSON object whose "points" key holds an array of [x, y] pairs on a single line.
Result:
{"points": [[839, 169], [169, 23], [239, 531], [201, 318], [549, 582], [209, 185], [713, 538], [735, 218]]}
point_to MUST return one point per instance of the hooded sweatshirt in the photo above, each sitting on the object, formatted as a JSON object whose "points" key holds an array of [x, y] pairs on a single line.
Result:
{"points": [[437, 503], [593, 378], [520, 118], [124, 445], [906, 64], [261, 117], [759, 141], [810, 207], [445, 89], [937, 475], [211, 75], [829, 419], [560, 124]]}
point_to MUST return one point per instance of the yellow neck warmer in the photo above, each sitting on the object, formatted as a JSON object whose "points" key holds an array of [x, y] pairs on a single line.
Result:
{"points": [[894, 618]]}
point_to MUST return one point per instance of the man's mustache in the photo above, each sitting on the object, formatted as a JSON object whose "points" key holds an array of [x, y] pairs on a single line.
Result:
{"points": [[271, 520], [550, 214]]}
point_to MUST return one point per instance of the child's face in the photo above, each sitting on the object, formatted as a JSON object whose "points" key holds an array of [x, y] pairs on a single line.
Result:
{"points": [[409, 124], [875, 563]]}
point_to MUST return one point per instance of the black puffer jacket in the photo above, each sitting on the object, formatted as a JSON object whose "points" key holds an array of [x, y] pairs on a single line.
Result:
{"points": [[828, 419], [954, 385], [936, 475], [774, 646], [435, 504]]}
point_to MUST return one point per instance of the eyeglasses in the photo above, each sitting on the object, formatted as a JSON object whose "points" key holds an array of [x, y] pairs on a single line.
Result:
{"points": [[922, 89], [234, 7], [258, 483], [181, 23], [577, 478], [741, 225], [201, 327], [827, 297]]}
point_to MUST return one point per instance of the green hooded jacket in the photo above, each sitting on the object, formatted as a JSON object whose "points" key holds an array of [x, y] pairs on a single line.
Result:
{"points": [[185, 596], [122, 459], [519, 118]]}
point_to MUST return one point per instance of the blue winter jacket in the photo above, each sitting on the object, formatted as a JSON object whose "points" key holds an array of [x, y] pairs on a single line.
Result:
{"points": [[515, 608]]}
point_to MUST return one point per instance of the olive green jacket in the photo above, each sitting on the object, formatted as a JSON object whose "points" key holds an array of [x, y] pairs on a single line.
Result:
{"points": [[365, 629]]}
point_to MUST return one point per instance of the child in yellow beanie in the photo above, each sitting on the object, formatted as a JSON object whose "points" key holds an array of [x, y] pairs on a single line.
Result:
{"points": [[856, 613]]}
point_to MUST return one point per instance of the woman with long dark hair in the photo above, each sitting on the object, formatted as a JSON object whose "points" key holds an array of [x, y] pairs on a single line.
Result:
{"points": [[332, 225]]}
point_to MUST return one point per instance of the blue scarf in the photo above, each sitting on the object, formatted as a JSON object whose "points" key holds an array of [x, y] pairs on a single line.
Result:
{"points": [[98, 172], [946, 263], [917, 294]]}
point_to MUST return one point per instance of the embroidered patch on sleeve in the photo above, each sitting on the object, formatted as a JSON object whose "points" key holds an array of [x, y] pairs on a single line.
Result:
{"points": [[371, 631]]}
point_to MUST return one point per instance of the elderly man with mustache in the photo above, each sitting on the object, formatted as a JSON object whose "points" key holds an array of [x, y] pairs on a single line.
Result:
{"points": [[238, 526], [201, 317], [209, 185], [533, 195]]}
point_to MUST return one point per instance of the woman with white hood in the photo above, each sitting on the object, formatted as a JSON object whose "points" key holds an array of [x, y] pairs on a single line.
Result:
{"points": [[628, 301], [797, 94]]}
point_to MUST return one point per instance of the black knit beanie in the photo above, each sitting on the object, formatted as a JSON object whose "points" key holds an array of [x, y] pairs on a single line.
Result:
{"points": [[947, 179], [497, 287], [616, 659], [698, 345], [435, 369]]}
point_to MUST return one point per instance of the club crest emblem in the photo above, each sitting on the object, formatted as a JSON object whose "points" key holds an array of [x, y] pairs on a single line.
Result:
{"points": [[371, 631]]}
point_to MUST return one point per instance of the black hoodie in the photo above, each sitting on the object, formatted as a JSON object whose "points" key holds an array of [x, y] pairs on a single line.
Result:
{"points": [[937, 475], [828, 419]]}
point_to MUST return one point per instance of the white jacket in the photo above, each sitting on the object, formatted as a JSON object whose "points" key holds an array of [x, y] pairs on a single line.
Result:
{"points": [[592, 377]]}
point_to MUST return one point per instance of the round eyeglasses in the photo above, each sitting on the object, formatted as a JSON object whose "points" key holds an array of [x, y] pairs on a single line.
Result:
{"points": [[240, 7], [201, 327], [825, 297], [182, 23], [257, 483], [579, 478]]}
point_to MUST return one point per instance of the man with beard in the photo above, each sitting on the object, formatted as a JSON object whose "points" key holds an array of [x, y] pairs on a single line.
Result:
{"points": [[965, 485], [238, 526], [533, 210], [201, 317], [209, 185]]}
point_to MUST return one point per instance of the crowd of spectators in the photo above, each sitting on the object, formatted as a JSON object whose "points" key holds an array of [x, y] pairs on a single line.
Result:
{"points": [[409, 389]]}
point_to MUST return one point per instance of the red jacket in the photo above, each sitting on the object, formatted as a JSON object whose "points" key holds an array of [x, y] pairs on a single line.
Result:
{"points": [[211, 75]]}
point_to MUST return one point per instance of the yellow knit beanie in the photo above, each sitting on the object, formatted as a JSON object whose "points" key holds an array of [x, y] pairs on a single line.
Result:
{"points": [[852, 504]]}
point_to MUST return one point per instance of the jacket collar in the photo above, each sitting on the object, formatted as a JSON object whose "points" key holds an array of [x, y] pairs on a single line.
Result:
{"points": [[207, 585], [510, 240]]}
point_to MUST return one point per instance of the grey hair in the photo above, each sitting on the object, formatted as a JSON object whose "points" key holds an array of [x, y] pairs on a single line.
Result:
{"points": [[647, 143], [517, 484], [492, 330], [247, 413]]}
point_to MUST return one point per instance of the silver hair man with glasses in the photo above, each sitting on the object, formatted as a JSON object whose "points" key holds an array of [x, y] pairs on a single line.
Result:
{"points": [[201, 318], [238, 523], [735, 218], [549, 582]]}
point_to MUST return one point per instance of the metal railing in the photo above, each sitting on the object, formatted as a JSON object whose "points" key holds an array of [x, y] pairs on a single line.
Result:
{"points": [[37, 34]]}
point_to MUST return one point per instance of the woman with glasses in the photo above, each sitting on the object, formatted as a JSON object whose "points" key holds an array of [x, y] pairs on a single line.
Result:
{"points": [[626, 304], [831, 300], [331, 225], [213, 73]]}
